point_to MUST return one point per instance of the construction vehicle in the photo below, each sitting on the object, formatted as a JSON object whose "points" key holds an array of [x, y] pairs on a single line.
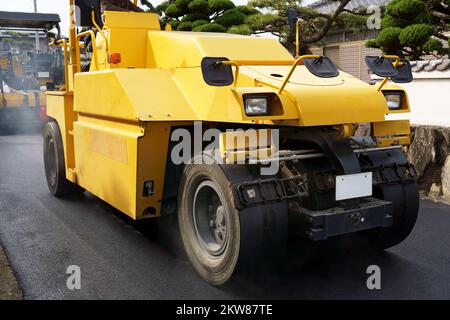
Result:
{"points": [[48, 68], [22, 100], [116, 132]]}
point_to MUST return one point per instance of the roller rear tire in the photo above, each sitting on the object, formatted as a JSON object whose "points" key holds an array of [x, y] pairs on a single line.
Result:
{"points": [[404, 211], [55, 167], [219, 239]]}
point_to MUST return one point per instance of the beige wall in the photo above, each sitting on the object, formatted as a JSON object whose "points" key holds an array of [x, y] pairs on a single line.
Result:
{"points": [[429, 99]]}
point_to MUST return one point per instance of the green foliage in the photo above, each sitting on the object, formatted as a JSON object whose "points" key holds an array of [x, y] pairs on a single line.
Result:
{"points": [[194, 17], [162, 7], [353, 22], [174, 24], [220, 5], [279, 5], [372, 44], [247, 10], [198, 6], [230, 18], [415, 35], [272, 17], [182, 4], [388, 38], [241, 29], [434, 45], [390, 7], [198, 23], [210, 27], [389, 21], [205, 15], [260, 21], [185, 26], [418, 21], [406, 9], [173, 11]]}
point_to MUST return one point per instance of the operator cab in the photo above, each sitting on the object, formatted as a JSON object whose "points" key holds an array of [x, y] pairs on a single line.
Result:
{"points": [[84, 10]]}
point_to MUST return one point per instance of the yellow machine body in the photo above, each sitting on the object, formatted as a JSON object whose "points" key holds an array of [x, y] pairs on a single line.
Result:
{"points": [[21, 99], [116, 119], [4, 63]]}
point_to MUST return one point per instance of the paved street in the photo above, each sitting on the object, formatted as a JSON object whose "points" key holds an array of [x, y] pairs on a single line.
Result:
{"points": [[43, 235]]}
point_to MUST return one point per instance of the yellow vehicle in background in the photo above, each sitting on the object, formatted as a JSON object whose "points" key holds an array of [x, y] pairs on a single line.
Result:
{"points": [[116, 131], [22, 100]]}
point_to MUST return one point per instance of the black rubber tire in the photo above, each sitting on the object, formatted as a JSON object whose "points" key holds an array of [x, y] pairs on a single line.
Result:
{"points": [[54, 163], [254, 233], [404, 211]]}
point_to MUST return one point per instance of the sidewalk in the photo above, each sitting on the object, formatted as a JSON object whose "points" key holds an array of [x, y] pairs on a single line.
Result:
{"points": [[9, 289]]}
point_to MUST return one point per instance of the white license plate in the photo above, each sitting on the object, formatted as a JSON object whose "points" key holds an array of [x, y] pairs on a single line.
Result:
{"points": [[354, 186]]}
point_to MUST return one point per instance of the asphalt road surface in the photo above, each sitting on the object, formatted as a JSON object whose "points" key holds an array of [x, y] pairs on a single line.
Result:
{"points": [[118, 259]]}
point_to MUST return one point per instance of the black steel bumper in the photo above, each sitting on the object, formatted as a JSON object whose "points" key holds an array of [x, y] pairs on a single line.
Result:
{"points": [[319, 225]]}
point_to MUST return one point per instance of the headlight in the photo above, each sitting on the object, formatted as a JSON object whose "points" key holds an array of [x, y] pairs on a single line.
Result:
{"points": [[256, 106], [394, 100]]}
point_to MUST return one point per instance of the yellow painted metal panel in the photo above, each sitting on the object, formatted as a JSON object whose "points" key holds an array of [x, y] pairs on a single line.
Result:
{"points": [[142, 94], [130, 95], [4, 63], [111, 146], [152, 157], [60, 108], [106, 161], [133, 51], [394, 132], [393, 141], [186, 49], [22, 99], [386, 128], [15, 100], [134, 20], [320, 101]]}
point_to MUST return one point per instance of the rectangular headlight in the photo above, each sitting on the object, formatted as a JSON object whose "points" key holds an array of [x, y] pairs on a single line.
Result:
{"points": [[394, 100], [256, 106]]}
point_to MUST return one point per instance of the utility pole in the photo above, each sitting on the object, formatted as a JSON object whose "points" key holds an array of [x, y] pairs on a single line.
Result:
{"points": [[37, 31]]}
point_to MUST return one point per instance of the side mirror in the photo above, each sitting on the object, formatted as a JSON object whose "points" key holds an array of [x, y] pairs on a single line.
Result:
{"points": [[321, 67], [215, 73], [404, 72], [381, 66]]}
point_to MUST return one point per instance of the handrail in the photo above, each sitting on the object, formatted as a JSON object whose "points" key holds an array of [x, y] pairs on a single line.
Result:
{"points": [[297, 61], [94, 48], [63, 43], [396, 63], [234, 64], [99, 30], [257, 62], [238, 63], [297, 37]]}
